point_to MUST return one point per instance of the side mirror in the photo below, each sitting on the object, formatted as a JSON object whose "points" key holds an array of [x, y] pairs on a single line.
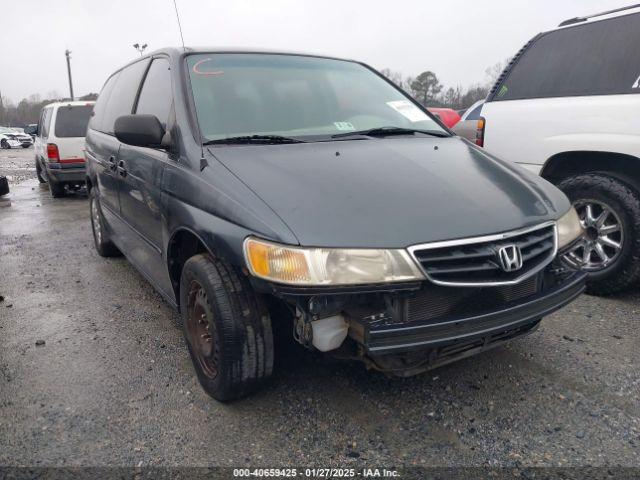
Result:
{"points": [[139, 130], [31, 130]]}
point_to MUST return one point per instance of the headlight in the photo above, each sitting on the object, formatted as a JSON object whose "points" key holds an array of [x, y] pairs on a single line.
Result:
{"points": [[569, 228], [328, 266]]}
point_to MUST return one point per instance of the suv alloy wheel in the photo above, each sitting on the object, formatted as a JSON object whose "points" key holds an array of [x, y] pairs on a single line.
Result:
{"points": [[610, 214]]}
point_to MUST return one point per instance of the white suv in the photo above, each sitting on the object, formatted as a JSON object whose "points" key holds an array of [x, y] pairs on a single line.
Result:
{"points": [[59, 144], [567, 107]]}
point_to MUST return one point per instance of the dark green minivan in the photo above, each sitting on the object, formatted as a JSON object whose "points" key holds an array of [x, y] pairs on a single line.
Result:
{"points": [[259, 189]]}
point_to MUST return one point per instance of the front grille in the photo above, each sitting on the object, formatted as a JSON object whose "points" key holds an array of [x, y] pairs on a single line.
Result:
{"points": [[467, 262], [437, 302]]}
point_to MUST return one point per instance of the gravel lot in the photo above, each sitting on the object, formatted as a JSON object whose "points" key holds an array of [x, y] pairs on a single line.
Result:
{"points": [[17, 164], [113, 385]]}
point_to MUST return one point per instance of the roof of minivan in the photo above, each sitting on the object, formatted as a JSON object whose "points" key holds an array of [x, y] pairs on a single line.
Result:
{"points": [[177, 51], [188, 50]]}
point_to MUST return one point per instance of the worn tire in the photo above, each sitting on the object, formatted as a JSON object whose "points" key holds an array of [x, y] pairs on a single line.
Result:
{"points": [[39, 173], [104, 246], [625, 201], [238, 322]]}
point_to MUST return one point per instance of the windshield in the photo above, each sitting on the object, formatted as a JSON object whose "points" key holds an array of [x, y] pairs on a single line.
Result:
{"points": [[295, 96]]}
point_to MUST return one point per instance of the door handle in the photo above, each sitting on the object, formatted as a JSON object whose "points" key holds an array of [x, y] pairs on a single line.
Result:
{"points": [[122, 171], [112, 163]]}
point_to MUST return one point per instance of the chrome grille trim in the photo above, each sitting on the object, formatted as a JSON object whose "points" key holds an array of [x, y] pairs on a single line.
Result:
{"points": [[487, 239]]}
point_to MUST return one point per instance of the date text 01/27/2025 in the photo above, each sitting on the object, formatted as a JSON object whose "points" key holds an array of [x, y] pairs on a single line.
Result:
{"points": [[316, 472]]}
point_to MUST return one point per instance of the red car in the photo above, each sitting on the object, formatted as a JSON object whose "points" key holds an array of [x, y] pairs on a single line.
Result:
{"points": [[448, 116]]}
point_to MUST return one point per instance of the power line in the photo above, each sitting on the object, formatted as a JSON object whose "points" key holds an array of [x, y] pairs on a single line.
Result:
{"points": [[179, 26]]}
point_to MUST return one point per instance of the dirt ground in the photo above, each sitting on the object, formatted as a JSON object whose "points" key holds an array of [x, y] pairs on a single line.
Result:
{"points": [[94, 372]]}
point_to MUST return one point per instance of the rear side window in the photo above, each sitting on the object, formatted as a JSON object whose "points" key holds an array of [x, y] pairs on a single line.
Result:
{"points": [[599, 58], [46, 122], [120, 101], [155, 96], [72, 121]]}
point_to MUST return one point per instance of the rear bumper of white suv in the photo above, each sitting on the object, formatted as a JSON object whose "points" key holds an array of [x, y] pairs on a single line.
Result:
{"points": [[66, 173]]}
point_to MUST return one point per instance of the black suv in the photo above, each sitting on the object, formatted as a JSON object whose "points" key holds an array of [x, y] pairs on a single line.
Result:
{"points": [[257, 189]]}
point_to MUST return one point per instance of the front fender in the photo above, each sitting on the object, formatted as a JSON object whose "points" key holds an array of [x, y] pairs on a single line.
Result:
{"points": [[218, 208], [220, 237]]}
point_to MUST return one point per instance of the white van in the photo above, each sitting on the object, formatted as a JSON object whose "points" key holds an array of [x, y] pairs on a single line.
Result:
{"points": [[59, 145], [567, 107]]}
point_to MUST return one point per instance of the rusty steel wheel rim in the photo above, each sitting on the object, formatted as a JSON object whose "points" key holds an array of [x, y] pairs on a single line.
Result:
{"points": [[201, 332]]}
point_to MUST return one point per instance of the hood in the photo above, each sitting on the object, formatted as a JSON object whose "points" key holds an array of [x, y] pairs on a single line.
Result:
{"points": [[392, 192]]}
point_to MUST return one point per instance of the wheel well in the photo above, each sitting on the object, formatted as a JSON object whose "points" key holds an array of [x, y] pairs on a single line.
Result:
{"points": [[182, 246], [568, 164], [89, 183]]}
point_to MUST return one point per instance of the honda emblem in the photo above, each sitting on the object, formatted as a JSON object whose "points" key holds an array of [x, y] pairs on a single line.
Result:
{"points": [[510, 258]]}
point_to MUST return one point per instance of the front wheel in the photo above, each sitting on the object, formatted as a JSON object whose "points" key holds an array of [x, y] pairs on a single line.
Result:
{"points": [[610, 214], [4, 144], [227, 328]]}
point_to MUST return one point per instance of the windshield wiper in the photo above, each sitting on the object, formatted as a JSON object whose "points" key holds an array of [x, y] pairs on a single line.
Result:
{"points": [[384, 131], [258, 139]]}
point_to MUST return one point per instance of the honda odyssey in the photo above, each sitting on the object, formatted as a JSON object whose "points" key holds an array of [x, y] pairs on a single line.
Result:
{"points": [[257, 189]]}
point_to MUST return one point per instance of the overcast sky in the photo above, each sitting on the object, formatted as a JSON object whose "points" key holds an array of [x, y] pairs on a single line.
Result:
{"points": [[457, 40]]}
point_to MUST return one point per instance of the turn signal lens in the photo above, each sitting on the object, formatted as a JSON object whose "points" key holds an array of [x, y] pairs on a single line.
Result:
{"points": [[569, 228], [328, 266], [269, 261]]}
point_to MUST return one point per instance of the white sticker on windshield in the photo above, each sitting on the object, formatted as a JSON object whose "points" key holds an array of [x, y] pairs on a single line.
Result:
{"points": [[408, 110], [345, 126]]}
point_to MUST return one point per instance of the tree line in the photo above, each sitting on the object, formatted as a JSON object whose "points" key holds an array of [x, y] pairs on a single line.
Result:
{"points": [[430, 92], [27, 111]]}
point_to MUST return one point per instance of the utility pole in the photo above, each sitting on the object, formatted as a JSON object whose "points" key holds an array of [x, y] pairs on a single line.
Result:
{"points": [[67, 53]]}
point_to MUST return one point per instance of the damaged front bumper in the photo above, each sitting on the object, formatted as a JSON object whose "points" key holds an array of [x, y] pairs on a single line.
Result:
{"points": [[483, 326], [405, 329]]}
